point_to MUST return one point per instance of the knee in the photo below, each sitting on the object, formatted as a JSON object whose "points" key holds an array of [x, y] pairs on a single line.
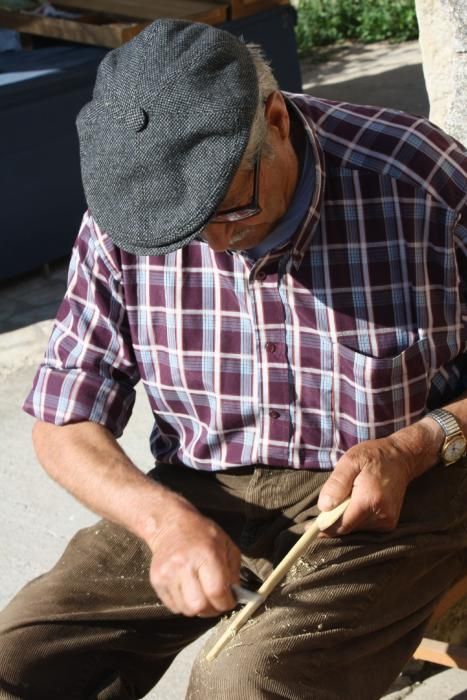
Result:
{"points": [[240, 671]]}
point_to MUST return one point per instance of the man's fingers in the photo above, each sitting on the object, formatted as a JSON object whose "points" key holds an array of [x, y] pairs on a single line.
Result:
{"points": [[337, 488], [195, 600], [370, 508], [216, 582], [354, 517], [186, 597], [203, 591], [167, 598]]}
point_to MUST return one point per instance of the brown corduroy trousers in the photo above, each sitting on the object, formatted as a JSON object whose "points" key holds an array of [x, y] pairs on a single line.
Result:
{"points": [[343, 623]]}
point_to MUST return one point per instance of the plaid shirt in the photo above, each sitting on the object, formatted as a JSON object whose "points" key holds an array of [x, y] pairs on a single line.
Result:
{"points": [[350, 331]]}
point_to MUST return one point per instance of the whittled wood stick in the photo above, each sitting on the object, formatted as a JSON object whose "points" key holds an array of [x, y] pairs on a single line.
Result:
{"points": [[322, 522]]}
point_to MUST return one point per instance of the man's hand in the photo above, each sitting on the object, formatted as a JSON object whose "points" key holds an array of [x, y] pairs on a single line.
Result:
{"points": [[375, 474], [194, 564]]}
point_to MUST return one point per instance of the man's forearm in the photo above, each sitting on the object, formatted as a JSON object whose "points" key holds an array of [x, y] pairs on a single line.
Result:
{"points": [[194, 563], [88, 462], [423, 440]]}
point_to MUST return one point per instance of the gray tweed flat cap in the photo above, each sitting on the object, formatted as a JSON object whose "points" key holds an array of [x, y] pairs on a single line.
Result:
{"points": [[165, 132]]}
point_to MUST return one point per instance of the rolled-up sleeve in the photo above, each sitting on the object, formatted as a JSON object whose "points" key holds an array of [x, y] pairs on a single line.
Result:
{"points": [[89, 371]]}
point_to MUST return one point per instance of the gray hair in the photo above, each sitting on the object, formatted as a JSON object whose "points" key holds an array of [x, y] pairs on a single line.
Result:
{"points": [[267, 84]]}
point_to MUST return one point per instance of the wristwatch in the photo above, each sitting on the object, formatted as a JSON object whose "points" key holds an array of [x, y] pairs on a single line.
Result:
{"points": [[455, 442]]}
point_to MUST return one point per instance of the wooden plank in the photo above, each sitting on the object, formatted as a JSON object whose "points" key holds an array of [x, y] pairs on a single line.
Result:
{"points": [[100, 30], [150, 9], [442, 653], [109, 35]]}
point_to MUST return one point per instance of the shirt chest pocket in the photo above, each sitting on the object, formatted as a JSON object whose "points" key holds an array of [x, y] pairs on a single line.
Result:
{"points": [[373, 397]]}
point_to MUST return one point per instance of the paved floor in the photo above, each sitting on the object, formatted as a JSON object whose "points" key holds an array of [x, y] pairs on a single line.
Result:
{"points": [[383, 74], [36, 517]]}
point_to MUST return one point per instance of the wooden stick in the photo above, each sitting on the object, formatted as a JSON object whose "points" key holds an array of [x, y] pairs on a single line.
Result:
{"points": [[322, 522], [441, 653]]}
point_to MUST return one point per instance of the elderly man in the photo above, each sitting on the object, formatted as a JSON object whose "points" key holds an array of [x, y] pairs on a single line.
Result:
{"points": [[286, 276]]}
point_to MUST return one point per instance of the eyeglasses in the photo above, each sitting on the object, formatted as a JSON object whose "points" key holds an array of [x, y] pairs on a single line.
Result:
{"points": [[240, 213]]}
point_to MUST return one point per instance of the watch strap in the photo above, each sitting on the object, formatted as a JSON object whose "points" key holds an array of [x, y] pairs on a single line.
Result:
{"points": [[446, 421], [452, 433]]}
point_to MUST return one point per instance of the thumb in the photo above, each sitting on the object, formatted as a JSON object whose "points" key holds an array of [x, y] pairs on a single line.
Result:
{"points": [[338, 487]]}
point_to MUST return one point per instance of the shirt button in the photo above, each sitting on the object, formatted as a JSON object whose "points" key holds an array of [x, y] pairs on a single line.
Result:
{"points": [[270, 347], [274, 414], [261, 276]]}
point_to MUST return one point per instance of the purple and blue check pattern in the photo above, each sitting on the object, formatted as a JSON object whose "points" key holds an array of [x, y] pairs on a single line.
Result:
{"points": [[352, 330]]}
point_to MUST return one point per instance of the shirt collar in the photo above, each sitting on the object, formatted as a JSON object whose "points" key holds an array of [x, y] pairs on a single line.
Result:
{"points": [[302, 239]]}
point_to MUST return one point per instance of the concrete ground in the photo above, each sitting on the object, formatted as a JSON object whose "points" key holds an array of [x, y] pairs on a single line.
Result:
{"points": [[37, 517]]}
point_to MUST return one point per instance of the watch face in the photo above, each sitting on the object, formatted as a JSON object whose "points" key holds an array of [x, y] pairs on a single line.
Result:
{"points": [[454, 450]]}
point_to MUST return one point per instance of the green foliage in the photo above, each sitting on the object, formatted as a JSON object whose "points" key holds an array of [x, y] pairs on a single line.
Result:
{"points": [[323, 22]]}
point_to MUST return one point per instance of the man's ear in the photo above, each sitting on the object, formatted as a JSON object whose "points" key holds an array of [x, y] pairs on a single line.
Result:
{"points": [[277, 115]]}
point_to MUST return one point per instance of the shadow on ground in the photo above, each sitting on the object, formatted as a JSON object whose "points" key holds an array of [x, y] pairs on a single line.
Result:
{"points": [[32, 297], [399, 88]]}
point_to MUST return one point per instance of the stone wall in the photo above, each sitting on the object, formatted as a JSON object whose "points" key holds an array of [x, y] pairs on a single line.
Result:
{"points": [[443, 43]]}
